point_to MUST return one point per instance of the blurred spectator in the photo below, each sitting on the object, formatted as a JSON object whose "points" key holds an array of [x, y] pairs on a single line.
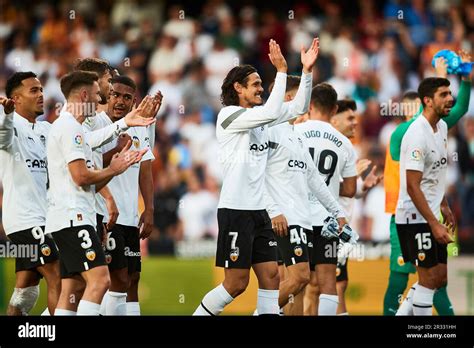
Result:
{"points": [[197, 211]]}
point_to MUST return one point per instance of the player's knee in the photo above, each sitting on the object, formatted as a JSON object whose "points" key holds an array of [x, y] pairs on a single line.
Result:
{"points": [[134, 278], [25, 298], [442, 281], [236, 286], [100, 285], [302, 279]]}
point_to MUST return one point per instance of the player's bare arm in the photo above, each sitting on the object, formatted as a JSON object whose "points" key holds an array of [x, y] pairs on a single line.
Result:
{"points": [[146, 188], [440, 232], [348, 187]]}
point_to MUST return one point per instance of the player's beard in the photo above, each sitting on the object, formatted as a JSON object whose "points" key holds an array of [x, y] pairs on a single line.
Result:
{"points": [[103, 98]]}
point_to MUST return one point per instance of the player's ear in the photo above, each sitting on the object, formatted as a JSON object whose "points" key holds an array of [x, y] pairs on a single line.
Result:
{"points": [[334, 110], [83, 93], [238, 87]]}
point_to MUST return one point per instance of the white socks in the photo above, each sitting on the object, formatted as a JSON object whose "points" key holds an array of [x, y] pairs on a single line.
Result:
{"points": [[344, 314], [66, 312], [215, 301], [45, 313], [267, 302], [406, 308], [88, 308], [103, 304], [328, 304], [133, 308], [116, 303], [423, 301]]}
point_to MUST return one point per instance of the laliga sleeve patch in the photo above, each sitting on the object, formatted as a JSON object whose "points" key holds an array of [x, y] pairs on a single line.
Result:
{"points": [[416, 155], [78, 139]]}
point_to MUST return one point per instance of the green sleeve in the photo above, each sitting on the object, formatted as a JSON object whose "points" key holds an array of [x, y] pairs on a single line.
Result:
{"points": [[461, 106], [396, 139]]}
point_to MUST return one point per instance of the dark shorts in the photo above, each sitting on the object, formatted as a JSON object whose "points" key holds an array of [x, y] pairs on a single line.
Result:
{"points": [[34, 249], [79, 250], [324, 250], [245, 238], [420, 247], [100, 227], [122, 249], [293, 247]]}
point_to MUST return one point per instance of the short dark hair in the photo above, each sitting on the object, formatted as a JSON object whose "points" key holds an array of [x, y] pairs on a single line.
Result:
{"points": [[15, 81], [324, 97], [292, 82], [238, 74], [346, 104], [99, 66], [429, 86], [124, 80], [410, 95], [77, 79]]}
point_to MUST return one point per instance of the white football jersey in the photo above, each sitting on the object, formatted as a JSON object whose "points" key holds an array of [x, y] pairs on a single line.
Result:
{"points": [[68, 204], [23, 172], [243, 143], [291, 177], [425, 151], [334, 157], [125, 187], [100, 122]]}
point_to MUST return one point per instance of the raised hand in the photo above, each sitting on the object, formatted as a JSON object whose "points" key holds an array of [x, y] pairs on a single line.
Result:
{"points": [[143, 115], [8, 105], [362, 165], [122, 141], [125, 158], [308, 58], [441, 67], [372, 179], [276, 57], [465, 56]]}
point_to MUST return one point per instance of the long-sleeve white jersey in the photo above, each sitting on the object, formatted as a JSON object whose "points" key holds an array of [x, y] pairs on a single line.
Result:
{"points": [[334, 157], [23, 172], [243, 143], [291, 177]]}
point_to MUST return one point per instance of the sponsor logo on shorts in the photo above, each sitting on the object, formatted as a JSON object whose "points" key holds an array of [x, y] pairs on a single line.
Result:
{"points": [[90, 254], [338, 272], [45, 250], [298, 250], [130, 253], [108, 258], [400, 261], [234, 254], [421, 256], [272, 244]]}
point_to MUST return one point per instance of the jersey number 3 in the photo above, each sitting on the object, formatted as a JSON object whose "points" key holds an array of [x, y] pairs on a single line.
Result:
{"points": [[326, 163]]}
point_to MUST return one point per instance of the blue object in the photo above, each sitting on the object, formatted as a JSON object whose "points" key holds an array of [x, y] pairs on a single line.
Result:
{"points": [[455, 65]]}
